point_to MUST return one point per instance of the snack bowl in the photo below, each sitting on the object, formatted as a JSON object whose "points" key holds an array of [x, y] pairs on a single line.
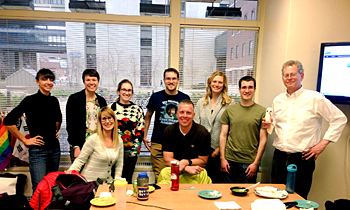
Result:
{"points": [[239, 191]]}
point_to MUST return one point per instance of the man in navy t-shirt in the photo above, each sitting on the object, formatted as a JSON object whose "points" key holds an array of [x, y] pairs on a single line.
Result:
{"points": [[164, 103]]}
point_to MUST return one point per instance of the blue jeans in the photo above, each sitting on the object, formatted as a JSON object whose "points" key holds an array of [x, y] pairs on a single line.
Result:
{"points": [[42, 162], [237, 173], [305, 169]]}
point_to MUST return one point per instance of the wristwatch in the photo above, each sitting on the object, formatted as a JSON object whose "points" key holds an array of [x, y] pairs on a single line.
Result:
{"points": [[189, 162]]}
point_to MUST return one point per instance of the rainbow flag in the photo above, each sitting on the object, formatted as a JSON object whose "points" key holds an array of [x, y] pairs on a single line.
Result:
{"points": [[5, 148]]}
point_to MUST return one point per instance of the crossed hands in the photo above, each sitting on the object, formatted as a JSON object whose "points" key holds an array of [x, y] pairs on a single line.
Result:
{"points": [[195, 170]]}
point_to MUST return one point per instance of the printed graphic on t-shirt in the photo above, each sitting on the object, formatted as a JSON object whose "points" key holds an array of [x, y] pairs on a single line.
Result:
{"points": [[168, 112]]}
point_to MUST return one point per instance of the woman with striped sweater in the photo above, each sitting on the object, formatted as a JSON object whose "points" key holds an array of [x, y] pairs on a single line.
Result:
{"points": [[103, 151]]}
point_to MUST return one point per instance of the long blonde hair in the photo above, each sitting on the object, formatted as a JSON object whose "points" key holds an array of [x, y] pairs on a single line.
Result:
{"points": [[225, 98], [115, 140]]}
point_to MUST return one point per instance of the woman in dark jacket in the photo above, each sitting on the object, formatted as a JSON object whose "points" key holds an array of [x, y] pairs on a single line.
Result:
{"points": [[81, 112]]}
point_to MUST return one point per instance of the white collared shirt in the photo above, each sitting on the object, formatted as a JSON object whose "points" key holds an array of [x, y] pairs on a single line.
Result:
{"points": [[298, 119]]}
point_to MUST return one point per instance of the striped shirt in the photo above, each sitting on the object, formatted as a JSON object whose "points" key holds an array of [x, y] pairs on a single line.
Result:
{"points": [[96, 161]]}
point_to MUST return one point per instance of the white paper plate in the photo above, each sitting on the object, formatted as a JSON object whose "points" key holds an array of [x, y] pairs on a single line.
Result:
{"points": [[270, 192]]}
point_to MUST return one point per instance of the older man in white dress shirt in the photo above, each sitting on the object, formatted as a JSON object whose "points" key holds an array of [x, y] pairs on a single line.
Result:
{"points": [[298, 115]]}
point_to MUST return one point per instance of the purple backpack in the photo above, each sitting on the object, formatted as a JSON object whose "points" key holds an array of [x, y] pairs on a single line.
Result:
{"points": [[72, 191]]}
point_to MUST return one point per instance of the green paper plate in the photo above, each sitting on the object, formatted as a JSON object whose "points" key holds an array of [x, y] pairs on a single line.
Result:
{"points": [[207, 194], [306, 204]]}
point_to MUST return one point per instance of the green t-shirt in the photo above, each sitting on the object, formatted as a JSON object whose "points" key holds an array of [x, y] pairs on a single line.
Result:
{"points": [[244, 131]]}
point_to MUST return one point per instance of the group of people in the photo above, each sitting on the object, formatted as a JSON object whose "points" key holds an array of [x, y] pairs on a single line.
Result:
{"points": [[215, 141], [105, 139], [88, 118]]}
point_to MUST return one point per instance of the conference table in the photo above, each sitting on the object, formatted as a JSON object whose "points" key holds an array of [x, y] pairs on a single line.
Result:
{"points": [[186, 198]]}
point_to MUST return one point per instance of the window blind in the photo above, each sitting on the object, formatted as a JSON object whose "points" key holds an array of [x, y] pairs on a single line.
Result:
{"points": [[135, 52], [206, 50]]}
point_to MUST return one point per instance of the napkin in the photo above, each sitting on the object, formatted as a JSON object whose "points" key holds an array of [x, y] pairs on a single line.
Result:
{"points": [[268, 204], [105, 194], [227, 205]]}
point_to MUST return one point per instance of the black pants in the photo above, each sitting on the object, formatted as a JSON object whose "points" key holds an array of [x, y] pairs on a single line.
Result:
{"points": [[213, 168], [71, 153], [129, 165], [305, 169]]}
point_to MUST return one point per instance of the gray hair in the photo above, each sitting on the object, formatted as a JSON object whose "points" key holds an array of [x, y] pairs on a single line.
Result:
{"points": [[294, 62]]}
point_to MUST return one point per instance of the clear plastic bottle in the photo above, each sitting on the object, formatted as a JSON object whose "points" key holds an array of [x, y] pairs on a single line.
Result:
{"points": [[291, 174], [134, 188], [174, 176], [120, 192], [142, 186]]}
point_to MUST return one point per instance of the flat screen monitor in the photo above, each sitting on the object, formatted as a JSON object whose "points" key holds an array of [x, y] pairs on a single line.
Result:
{"points": [[334, 72]]}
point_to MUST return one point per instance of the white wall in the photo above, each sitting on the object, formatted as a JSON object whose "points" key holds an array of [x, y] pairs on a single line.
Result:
{"points": [[294, 29]]}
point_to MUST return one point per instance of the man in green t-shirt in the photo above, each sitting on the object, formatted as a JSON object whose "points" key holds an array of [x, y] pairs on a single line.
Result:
{"points": [[242, 137]]}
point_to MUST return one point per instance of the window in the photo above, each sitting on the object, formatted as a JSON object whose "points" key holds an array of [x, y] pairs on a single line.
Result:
{"points": [[48, 1], [117, 51], [250, 48], [146, 70], [90, 39], [243, 49], [160, 8], [207, 9], [146, 42], [134, 49], [91, 61], [253, 15], [199, 60]]}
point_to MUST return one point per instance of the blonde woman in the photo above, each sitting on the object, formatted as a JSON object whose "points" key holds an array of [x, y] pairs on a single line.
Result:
{"points": [[208, 112], [103, 151]]}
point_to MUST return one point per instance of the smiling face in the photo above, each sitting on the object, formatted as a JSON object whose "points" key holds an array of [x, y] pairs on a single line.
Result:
{"points": [[171, 81], [217, 84], [91, 83], [45, 85], [247, 91], [107, 121], [185, 115], [125, 93], [292, 79]]}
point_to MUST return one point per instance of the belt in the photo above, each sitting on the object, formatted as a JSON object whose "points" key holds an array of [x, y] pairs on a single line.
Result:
{"points": [[290, 153]]}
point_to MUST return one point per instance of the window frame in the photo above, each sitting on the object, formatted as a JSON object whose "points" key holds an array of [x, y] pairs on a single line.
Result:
{"points": [[174, 21]]}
